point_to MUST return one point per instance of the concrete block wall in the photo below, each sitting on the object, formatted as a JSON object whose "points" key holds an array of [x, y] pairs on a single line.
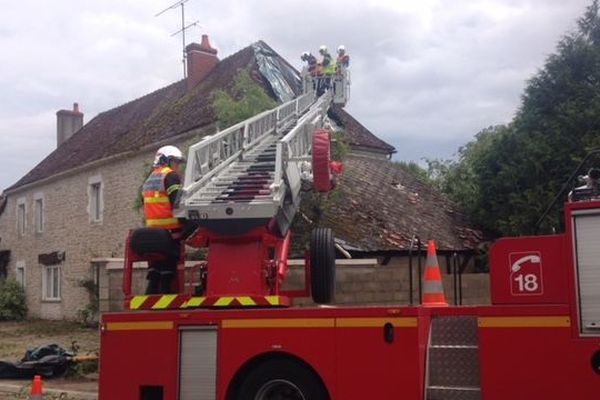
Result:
{"points": [[357, 282]]}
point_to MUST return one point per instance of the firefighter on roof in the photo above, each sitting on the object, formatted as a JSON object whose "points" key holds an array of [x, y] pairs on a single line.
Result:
{"points": [[160, 193]]}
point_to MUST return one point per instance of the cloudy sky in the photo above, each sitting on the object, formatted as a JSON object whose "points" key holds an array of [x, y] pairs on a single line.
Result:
{"points": [[426, 75]]}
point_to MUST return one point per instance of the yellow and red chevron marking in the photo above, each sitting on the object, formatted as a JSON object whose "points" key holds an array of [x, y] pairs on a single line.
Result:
{"points": [[179, 301]]}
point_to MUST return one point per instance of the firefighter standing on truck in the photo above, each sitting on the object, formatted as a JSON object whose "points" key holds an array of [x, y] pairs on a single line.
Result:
{"points": [[160, 192]]}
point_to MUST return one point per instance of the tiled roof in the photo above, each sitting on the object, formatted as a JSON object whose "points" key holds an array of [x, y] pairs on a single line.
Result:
{"points": [[157, 116], [380, 206], [171, 111], [357, 134]]}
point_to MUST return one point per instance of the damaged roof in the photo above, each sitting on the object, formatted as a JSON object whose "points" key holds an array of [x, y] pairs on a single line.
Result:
{"points": [[356, 134], [380, 206]]}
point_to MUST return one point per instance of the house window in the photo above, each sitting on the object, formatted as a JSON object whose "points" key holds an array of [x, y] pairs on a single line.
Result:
{"points": [[20, 273], [51, 282], [96, 203], [21, 216], [39, 214]]}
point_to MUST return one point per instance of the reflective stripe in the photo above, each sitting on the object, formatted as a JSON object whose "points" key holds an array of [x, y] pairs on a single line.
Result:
{"points": [[401, 322], [525, 322], [139, 326], [173, 188], [164, 301], [152, 200], [162, 222], [194, 302], [224, 301], [246, 301], [272, 300], [137, 302]]}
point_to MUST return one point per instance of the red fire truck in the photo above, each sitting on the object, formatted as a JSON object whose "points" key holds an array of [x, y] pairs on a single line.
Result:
{"points": [[229, 332]]}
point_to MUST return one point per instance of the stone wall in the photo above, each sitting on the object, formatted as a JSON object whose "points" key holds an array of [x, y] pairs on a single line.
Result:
{"points": [[69, 229]]}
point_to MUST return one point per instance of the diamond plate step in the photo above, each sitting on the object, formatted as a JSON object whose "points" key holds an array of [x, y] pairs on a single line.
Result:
{"points": [[453, 393], [454, 366], [453, 359], [454, 331]]}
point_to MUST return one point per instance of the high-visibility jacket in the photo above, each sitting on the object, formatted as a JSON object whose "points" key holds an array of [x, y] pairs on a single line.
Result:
{"points": [[328, 66], [158, 209]]}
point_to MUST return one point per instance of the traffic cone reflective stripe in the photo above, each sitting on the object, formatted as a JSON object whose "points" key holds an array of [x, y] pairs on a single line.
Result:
{"points": [[36, 388], [433, 288]]}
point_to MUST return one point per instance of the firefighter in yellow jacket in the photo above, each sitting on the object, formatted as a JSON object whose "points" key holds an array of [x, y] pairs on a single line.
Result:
{"points": [[160, 193]]}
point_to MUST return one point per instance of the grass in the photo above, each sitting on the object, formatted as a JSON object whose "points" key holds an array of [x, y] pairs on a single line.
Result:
{"points": [[17, 337]]}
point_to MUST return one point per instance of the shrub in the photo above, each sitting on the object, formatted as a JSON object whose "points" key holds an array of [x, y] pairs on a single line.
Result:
{"points": [[13, 305]]}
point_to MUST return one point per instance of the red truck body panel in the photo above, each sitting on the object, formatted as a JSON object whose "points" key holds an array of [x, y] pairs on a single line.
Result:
{"points": [[530, 342]]}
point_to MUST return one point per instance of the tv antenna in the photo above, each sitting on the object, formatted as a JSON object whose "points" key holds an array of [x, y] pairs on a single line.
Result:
{"points": [[184, 27]]}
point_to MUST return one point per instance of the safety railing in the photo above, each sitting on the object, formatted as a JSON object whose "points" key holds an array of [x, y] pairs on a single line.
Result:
{"points": [[296, 146], [213, 153]]}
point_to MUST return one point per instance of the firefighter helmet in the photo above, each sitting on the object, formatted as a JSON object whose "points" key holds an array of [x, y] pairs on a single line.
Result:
{"points": [[323, 49], [166, 154], [341, 49], [305, 56]]}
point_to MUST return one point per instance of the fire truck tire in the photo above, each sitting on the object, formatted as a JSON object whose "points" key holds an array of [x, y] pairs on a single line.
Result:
{"points": [[321, 157], [322, 264], [281, 379]]}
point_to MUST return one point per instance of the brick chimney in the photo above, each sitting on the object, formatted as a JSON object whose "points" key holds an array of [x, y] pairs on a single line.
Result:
{"points": [[201, 59], [67, 123]]}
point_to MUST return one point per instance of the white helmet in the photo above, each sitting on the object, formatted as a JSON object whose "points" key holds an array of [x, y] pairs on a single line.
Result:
{"points": [[323, 49], [166, 154], [341, 49], [305, 55]]}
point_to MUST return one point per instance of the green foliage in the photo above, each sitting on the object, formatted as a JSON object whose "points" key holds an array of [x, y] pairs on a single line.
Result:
{"points": [[245, 99], [415, 170], [339, 146], [80, 369], [13, 304], [138, 204], [508, 175], [88, 316]]}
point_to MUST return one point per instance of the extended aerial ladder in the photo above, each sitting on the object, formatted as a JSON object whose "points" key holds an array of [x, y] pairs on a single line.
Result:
{"points": [[242, 187]]}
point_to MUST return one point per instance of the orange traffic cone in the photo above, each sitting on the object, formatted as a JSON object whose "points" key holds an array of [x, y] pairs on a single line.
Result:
{"points": [[433, 289], [36, 388]]}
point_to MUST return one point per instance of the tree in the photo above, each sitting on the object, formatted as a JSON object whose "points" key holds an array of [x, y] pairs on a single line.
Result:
{"points": [[507, 175], [244, 100]]}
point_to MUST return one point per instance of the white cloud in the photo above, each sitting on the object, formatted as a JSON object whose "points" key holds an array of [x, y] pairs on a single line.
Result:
{"points": [[427, 75]]}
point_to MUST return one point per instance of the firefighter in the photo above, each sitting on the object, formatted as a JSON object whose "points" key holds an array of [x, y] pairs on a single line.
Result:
{"points": [[160, 194], [343, 59], [312, 62], [327, 68]]}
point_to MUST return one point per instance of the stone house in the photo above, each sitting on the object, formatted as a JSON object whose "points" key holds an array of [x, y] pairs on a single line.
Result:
{"points": [[78, 204]]}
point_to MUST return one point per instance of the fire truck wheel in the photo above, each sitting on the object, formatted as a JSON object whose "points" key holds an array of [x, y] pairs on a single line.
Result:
{"points": [[281, 379], [322, 264]]}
